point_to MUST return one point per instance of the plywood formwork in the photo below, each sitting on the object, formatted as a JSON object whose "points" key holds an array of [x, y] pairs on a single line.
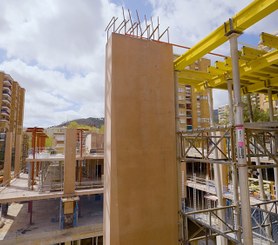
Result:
{"points": [[141, 196]]}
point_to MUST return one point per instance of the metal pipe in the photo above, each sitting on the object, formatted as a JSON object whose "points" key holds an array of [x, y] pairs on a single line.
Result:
{"points": [[234, 167], [274, 146], [231, 107], [216, 167], [241, 154]]}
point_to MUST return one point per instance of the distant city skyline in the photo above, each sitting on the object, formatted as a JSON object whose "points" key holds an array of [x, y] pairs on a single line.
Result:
{"points": [[56, 49]]}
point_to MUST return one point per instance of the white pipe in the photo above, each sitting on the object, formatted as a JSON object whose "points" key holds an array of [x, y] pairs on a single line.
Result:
{"points": [[234, 168], [241, 154]]}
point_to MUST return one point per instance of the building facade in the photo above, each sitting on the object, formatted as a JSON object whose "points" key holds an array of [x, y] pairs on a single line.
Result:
{"points": [[11, 104], [11, 123], [193, 106]]}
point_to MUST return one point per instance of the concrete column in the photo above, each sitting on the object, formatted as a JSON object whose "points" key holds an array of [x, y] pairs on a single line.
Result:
{"points": [[17, 159], [8, 158], [141, 184], [70, 161]]}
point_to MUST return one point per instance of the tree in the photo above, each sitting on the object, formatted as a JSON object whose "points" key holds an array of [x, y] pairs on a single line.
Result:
{"points": [[49, 141]]}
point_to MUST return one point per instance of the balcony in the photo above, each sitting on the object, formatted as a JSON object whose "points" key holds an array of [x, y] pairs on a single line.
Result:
{"points": [[5, 113], [6, 108], [7, 89], [7, 96], [6, 102], [7, 83]]}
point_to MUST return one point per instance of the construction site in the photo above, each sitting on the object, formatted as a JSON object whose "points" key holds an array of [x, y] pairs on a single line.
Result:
{"points": [[165, 171]]}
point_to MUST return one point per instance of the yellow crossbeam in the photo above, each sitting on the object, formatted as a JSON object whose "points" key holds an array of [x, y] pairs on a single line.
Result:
{"points": [[251, 53], [251, 14], [223, 66], [248, 70], [215, 71], [194, 75], [269, 40]]}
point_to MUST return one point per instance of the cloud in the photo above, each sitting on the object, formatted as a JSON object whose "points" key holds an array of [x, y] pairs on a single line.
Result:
{"points": [[192, 20], [55, 49]]}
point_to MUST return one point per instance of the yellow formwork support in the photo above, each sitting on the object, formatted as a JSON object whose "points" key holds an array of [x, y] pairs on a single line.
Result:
{"points": [[194, 75], [254, 12], [223, 66], [269, 40], [251, 53]]}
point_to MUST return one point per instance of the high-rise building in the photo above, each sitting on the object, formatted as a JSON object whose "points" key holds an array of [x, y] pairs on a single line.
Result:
{"points": [[223, 114], [11, 122], [193, 106], [11, 104]]}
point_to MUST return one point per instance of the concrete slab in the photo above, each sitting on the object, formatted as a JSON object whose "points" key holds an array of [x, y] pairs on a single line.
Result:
{"points": [[18, 191], [46, 222]]}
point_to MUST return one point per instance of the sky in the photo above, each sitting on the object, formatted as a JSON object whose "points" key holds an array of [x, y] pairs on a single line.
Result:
{"points": [[55, 49]]}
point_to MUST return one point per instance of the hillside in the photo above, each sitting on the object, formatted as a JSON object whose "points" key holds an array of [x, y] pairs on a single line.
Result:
{"points": [[90, 121]]}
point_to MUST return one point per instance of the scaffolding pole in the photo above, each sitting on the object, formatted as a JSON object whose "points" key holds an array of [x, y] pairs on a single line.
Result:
{"points": [[217, 174], [241, 154], [234, 167], [274, 146]]}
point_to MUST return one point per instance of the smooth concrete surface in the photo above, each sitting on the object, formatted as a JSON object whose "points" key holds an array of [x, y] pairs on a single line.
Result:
{"points": [[141, 187], [8, 158], [70, 161]]}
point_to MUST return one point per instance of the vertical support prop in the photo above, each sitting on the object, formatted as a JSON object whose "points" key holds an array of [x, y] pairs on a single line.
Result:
{"points": [[274, 146], [241, 155], [234, 167]]}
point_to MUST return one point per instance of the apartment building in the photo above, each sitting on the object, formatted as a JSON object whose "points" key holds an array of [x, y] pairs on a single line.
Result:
{"points": [[223, 114], [11, 104], [11, 121], [193, 106]]}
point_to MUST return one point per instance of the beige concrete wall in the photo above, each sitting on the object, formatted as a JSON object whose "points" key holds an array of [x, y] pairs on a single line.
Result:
{"points": [[8, 158], [70, 161], [140, 200], [18, 152]]}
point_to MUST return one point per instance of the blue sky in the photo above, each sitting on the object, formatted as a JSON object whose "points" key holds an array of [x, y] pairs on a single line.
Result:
{"points": [[56, 48]]}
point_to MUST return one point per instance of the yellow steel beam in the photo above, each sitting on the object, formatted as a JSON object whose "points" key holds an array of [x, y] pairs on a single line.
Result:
{"points": [[190, 82], [269, 40], [260, 63], [246, 69], [194, 75], [223, 66], [215, 71], [251, 53], [248, 16], [262, 85]]}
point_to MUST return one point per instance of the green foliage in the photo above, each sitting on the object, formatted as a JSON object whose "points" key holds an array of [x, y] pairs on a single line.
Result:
{"points": [[74, 124], [259, 115], [49, 141]]}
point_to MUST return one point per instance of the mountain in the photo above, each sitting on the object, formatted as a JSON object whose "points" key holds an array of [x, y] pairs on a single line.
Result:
{"points": [[90, 121]]}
